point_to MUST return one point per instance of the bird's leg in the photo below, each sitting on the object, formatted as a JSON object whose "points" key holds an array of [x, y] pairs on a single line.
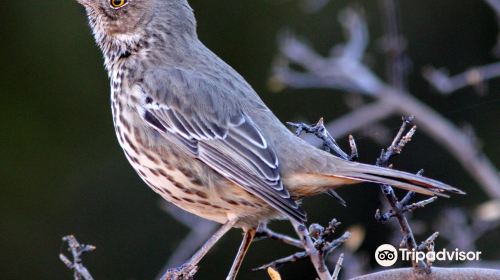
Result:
{"points": [[245, 244], [187, 270]]}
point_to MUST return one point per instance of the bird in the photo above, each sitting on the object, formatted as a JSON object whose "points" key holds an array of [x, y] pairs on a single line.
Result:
{"points": [[201, 137]]}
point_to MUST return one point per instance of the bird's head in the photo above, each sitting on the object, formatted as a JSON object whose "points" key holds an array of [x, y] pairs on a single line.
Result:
{"points": [[124, 20]]}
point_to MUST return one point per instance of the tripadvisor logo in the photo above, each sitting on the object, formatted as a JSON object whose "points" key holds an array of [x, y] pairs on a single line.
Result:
{"points": [[387, 255]]}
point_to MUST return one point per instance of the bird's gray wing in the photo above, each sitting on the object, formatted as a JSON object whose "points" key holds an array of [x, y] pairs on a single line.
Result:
{"points": [[203, 114]]}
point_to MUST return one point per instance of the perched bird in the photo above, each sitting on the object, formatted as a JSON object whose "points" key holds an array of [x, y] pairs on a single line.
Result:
{"points": [[199, 135]]}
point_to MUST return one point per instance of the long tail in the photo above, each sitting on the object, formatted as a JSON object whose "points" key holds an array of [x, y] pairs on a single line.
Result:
{"points": [[370, 173]]}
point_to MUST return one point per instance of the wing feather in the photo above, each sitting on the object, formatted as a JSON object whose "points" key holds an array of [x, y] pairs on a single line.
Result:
{"points": [[213, 128]]}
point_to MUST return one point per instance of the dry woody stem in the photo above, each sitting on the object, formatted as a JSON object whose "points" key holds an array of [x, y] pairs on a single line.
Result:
{"points": [[77, 251]]}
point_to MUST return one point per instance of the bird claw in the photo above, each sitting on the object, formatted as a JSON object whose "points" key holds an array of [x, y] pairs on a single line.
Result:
{"points": [[184, 272]]}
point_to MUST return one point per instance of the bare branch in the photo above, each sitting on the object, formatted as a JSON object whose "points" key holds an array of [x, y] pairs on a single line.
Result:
{"points": [[289, 259], [319, 130], [428, 244], [315, 243], [264, 232], [398, 143], [398, 209], [359, 118], [77, 250], [338, 267], [304, 255], [420, 204], [354, 148], [475, 76], [317, 259]]}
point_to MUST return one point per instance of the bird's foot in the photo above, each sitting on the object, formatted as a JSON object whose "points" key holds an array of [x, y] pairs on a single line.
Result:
{"points": [[183, 272]]}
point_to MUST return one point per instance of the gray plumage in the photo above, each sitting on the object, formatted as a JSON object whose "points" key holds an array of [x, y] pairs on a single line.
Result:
{"points": [[179, 94], [200, 136]]}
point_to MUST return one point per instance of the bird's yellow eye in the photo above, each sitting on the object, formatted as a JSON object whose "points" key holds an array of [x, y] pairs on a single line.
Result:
{"points": [[116, 4]]}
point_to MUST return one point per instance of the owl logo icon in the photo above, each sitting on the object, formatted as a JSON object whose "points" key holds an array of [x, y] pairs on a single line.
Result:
{"points": [[386, 255]]}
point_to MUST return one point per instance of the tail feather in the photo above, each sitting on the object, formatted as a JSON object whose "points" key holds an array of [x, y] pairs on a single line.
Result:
{"points": [[403, 180]]}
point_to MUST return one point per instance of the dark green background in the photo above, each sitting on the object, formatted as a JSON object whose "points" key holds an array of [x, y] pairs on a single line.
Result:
{"points": [[62, 171]]}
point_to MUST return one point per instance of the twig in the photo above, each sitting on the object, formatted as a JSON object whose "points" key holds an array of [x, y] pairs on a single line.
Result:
{"points": [[304, 255], [77, 250], [420, 204], [338, 267], [475, 76], [264, 232], [319, 130], [359, 118], [398, 143], [336, 243], [289, 259], [399, 208], [403, 207], [317, 259], [354, 148], [315, 243], [428, 244]]}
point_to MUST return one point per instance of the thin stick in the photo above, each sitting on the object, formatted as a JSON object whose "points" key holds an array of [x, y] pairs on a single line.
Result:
{"points": [[338, 267], [264, 232], [77, 250], [317, 259]]}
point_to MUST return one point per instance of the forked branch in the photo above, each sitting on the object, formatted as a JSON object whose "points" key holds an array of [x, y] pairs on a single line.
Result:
{"points": [[77, 251]]}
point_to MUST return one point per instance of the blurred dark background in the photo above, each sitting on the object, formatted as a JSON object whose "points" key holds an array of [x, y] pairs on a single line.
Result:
{"points": [[63, 171]]}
